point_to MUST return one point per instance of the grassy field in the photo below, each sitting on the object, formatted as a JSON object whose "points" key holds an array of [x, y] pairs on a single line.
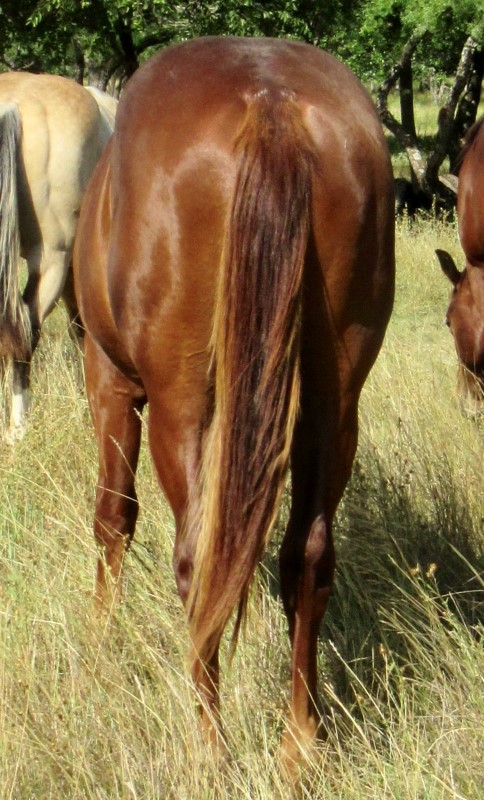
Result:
{"points": [[107, 711]]}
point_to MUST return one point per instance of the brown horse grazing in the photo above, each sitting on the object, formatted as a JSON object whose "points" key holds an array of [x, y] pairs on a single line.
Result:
{"points": [[465, 314], [235, 269], [52, 132]]}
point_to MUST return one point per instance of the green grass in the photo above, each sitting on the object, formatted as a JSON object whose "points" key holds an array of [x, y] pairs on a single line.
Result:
{"points": [[92, 711]]}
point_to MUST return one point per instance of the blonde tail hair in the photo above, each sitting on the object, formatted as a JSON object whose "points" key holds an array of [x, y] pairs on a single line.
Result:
{"points": [[255, 348], [15, 331]]}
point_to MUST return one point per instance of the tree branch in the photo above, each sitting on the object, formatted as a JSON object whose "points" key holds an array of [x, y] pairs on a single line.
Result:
{"points": [[406, 139], [445, 121]]}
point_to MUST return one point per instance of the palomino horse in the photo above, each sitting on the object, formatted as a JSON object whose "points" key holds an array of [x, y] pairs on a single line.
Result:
{"points": [[465, 314], [52, 133], [234, 266], [108, 105]]}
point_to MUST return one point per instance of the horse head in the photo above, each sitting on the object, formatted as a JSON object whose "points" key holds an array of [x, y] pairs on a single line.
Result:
{"points": [[465, 318]]}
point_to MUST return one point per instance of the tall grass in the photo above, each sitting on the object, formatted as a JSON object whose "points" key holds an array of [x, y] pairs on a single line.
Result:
{"points": [[107, 711]]}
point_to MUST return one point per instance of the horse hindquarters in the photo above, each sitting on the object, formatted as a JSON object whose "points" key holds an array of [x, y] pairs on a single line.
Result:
{"points": [[221, 442]]}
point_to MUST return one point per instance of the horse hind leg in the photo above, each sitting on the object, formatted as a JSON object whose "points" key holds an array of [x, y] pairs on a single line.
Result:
{"points": [[205, 670], [174, 438], [116, 404], [76, 328], [21, 400], [46, 275], [321, 463]]}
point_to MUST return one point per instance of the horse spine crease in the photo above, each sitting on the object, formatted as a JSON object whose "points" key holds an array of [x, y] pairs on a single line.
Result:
{"points": [[255, 352]]}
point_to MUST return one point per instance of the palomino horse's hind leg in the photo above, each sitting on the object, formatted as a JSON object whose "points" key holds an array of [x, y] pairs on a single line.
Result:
{"points": [[321, 466], [115, 404], [46, 275], [76, 328], [20, 401], [21, 394]]}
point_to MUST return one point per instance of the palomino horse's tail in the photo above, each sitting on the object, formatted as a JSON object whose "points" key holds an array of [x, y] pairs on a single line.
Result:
{"points": [[14, 328], [256, 362]]}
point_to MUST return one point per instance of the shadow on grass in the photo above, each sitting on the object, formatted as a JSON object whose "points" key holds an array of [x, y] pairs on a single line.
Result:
{"points": [[426, 144], [406, 576]]}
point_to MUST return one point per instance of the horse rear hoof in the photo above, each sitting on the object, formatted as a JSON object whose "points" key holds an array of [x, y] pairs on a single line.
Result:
{"points": [[299, 750], [14, 434]]}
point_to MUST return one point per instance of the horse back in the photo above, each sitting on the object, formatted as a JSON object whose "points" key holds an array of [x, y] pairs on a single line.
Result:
{"points": [[108, 106], [235, 260], [470, 198]]}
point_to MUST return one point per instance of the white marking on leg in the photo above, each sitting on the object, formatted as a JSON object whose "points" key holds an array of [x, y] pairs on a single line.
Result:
{"points": [[21, 404]]}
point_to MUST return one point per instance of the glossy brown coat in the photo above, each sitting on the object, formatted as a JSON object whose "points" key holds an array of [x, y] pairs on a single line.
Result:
{"points": [[235, 270], [465, 314]]}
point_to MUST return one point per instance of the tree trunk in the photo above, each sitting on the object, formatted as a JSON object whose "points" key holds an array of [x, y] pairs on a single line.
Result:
{"points": [[79, 62], [125, 36], [467, 109], [451, 123], [99, 75], [445, 120], [406, 98], [406, 138]]}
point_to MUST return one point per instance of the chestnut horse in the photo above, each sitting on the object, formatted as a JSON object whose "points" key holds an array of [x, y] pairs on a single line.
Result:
{"points": [[234, 266], [52, 133], [465, 314]]}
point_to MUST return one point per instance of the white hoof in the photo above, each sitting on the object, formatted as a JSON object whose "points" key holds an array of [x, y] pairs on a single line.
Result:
{"points": [[14, 434]]}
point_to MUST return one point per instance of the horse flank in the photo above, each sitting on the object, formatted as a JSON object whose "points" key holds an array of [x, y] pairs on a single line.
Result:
{"points": [[255, 346], [14, 321], [469, 140]]}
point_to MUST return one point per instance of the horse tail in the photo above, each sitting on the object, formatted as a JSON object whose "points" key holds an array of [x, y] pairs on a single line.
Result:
{"points": [[255, 352], [14, 327]]}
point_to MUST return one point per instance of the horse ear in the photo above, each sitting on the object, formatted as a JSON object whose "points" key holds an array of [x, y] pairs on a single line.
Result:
{"points": [[448, 266]]}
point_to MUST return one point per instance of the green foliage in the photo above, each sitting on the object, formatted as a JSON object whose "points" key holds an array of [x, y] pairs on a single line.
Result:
{"points": [[386, 25], [43, 32], [367, 34], [23, 47]]}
